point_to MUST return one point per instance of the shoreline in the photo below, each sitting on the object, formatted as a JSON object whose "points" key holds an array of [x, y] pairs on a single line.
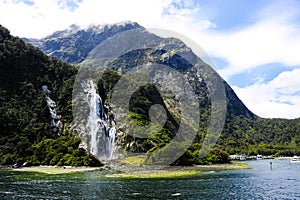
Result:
{"points": [[284, 158], [136, 171], [175, 171], [57, 169]]}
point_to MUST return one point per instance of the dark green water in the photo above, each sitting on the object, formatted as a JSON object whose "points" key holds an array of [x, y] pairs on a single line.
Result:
{"points": [[283, 182]]}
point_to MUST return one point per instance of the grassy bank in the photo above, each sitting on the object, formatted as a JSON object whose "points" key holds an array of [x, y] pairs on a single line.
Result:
{"points": [[157, 174], [133, 171], [57, 170], [139, 171]]}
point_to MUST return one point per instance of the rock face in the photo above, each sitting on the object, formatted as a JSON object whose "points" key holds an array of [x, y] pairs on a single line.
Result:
{"points": [[74, 44], [129, 49]]}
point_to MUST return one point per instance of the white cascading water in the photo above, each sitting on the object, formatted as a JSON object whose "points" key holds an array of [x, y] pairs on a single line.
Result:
{"points": [[102, 133], [55, 122]]}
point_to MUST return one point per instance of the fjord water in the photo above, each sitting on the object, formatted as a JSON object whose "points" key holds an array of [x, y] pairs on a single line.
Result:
{"points": [[260, 182]]}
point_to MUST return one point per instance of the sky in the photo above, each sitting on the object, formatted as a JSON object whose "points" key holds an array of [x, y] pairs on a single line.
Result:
{"points": [[254, 45]]}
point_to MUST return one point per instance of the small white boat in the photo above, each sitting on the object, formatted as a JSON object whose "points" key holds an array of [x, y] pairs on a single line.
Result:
{"points": [[295, 159], [259, 157]]}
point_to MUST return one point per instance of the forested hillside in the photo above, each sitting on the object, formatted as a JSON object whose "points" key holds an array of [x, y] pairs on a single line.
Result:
{"points": [[27, 134], [25, 131]]}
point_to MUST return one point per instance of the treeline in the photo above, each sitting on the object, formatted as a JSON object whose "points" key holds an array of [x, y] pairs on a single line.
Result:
{"points": [[62, 151], [277, 137]]}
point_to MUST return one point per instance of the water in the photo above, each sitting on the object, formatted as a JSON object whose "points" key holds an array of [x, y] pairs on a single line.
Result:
{"points": [[283, 182], [100, 129], [56, 124]]}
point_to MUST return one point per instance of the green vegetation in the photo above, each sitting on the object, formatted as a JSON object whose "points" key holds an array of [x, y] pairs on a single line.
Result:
{"points": [[25, 132], [191, 156], [277, 137], [252, 136], [61, 151], [26, 135], [177, 172], [154, 139], [159, 174], [134, 160]]}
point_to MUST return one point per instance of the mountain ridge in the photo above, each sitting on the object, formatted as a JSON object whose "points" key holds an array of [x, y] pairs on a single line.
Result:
{"points": [[27, 136], [68, 44], [59, 46]]}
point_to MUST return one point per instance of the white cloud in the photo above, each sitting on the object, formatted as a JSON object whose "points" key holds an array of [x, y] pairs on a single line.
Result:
{"points": [[35, 20], [277, 98], [262, 43], [46, 16]]}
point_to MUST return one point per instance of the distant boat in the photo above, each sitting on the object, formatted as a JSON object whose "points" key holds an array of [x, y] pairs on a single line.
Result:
{"points": [[259, 157], [238, 157], [295, 159], [243, 157], [234, 157]]}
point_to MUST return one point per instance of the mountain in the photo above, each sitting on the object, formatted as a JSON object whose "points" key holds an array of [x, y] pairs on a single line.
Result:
{"points": [[243, 132], [73, 44], [52, 116]]}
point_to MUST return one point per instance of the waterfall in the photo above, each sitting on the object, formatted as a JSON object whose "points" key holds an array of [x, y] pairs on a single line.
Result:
{"points": [[55, 123], [101, 132]]}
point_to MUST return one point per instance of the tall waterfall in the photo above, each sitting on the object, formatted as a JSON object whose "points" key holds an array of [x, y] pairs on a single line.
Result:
{"points": [[55, 124], [101, 132]]}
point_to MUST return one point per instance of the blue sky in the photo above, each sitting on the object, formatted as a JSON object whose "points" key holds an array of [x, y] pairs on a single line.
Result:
{"points": [[254, 45]]}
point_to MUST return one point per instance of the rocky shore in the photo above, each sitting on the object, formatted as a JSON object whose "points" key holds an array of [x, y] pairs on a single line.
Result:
{"points": [[138, 171]]}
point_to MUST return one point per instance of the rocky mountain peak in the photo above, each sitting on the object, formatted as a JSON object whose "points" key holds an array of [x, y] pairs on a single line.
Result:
{"points": [[73, 44], [83, 44]]}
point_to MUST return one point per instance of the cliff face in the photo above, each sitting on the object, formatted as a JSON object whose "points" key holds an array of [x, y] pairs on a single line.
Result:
{"points": [[86, 45], [162, 71]]}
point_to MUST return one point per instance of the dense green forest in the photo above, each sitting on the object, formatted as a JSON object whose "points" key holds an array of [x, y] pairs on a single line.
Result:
{"points": [[277, 137], [27, 137], [25, 132]]}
